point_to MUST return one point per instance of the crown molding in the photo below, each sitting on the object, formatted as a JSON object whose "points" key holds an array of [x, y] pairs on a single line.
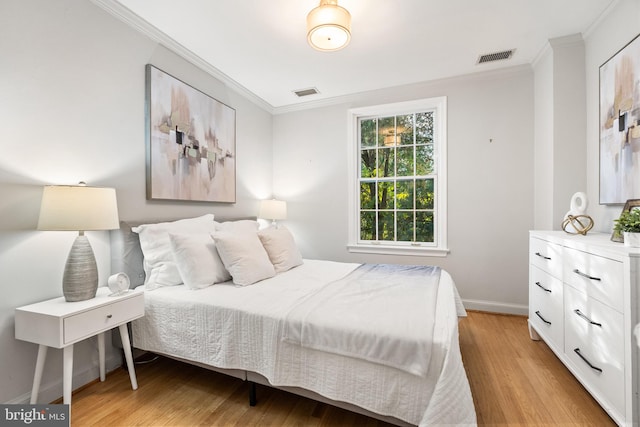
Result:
{"points": [[125, 15], [604, 15], [358, 97]]}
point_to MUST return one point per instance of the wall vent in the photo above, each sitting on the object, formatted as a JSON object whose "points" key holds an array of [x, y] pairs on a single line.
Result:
{"points": [[497, 56], [306, 92]]}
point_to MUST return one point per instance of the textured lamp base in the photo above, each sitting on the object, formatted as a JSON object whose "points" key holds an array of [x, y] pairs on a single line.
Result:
{"points": [[80, 279]]}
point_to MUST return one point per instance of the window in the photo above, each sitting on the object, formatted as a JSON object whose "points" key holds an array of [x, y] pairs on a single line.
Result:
{"points": [[398, 193]]}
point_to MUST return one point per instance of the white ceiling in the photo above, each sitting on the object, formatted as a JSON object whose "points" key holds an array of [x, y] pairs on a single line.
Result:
{"points": [[261, 46]]}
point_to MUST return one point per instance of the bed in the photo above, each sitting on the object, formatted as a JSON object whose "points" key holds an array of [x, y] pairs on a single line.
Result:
{"points": [[326, 330]]}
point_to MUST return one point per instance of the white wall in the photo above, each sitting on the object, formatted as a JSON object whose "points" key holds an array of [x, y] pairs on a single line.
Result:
{"points": [[490, 183], [560, 153], [569, 110], [72, 88], [619, 27], [72, 103], [543, 145]]}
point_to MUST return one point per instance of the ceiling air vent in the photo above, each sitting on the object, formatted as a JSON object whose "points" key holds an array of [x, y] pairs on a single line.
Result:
{"points": [[497, 56], [306, 92]]}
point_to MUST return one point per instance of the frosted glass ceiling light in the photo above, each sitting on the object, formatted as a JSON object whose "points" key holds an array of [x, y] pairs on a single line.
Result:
{"points": [[329, 26]]}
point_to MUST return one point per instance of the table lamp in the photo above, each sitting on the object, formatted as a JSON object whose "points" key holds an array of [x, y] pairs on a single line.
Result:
{"points": [[273, 209], [79, 208]]}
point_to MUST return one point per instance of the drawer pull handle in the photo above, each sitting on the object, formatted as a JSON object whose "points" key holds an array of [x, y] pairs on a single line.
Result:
{"points": [[543, 319], [595, 368], [581, 314], [545, 289], [109, 316], [542, 256], [580, 273]]}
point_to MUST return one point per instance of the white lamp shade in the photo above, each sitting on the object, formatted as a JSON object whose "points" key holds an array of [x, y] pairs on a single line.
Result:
{"points": [[328, 26], [273, 209], [78, 208]]}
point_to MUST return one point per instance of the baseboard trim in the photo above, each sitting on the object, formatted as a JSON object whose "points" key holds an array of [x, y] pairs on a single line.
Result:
{"points": [[496, 307], [53, 390]]}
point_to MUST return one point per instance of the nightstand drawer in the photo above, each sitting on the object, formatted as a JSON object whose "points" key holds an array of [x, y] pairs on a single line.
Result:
{"points": [[596, 276], [89, 323]]}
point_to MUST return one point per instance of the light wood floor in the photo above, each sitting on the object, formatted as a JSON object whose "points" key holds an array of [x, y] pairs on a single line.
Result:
{"points": [[514, 381], [517, 381]]}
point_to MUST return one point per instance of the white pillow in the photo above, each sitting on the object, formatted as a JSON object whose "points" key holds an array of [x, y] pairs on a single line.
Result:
{"points": [[244, 256], [281, 248], [159, 265], [239, 225], [197, 260]]}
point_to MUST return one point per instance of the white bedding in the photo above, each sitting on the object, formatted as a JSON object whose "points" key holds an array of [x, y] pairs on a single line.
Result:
{"points": [[368, 315], [243, 331]]}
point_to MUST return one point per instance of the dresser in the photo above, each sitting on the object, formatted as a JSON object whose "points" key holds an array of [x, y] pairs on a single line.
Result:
{"points": [[583, 302]]}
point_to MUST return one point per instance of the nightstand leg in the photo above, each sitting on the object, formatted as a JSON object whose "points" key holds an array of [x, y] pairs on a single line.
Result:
{"points": [[67, 374], [126, 346], [101, 355], [37, 376]]}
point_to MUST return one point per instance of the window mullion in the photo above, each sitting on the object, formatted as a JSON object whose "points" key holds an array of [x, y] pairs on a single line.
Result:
{"points": [[415, 184], [395, 178]]}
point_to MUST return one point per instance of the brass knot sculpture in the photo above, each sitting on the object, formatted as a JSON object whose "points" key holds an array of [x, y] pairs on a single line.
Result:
{"points": [[580, 223]]}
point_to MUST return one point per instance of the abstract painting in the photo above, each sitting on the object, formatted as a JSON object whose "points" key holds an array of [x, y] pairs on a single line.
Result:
{"points": [[191, 142], [620, 126]]}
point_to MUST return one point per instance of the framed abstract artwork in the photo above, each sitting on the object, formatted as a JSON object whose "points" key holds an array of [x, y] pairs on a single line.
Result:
{"points": [[620, 126], [191, 142]]}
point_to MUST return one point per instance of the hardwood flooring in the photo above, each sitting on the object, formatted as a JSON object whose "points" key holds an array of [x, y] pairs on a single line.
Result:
{"points": [[514, 381], [517, 381]]}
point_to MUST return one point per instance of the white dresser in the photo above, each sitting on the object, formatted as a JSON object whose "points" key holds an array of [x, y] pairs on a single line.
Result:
{"points": [[583, 302]]}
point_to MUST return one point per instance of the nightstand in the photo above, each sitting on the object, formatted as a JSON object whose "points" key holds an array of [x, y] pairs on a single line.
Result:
{"points": [[60, 324]]}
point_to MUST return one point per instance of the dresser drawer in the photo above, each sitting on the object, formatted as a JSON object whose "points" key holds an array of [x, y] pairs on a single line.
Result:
{"points": [[594, 344], [598, 277], [545, 306], [546, 256], [89, 323]]}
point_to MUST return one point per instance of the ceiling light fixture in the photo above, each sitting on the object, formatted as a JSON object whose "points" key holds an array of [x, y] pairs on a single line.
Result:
{"points": [[329, 26]]}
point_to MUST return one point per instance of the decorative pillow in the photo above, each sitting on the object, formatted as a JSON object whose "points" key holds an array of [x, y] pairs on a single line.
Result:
{"points": [[197, 260], [281, 248], [159, 265], [239, 225], [244, 256]]}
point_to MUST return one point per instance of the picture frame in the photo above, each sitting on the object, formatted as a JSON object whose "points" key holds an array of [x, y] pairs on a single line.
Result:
{"points": [[620, 126], [190, 142], [616, 236]]}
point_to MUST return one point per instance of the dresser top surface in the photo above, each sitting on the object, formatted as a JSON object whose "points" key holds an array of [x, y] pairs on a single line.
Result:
{"points": [[596, 243]]}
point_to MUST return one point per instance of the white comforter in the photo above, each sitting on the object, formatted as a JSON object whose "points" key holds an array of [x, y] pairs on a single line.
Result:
{"points": [[240, 328], [368, 315]]}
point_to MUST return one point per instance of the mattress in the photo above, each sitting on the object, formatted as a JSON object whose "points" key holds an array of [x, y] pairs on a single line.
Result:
{"points": [[230, 327]]}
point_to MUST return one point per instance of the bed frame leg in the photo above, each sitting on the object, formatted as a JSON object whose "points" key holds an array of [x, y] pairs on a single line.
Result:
{"points": [[252, 394]]}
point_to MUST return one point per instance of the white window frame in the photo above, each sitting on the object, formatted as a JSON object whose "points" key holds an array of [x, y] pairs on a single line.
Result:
{"points": [[439, 246]]}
